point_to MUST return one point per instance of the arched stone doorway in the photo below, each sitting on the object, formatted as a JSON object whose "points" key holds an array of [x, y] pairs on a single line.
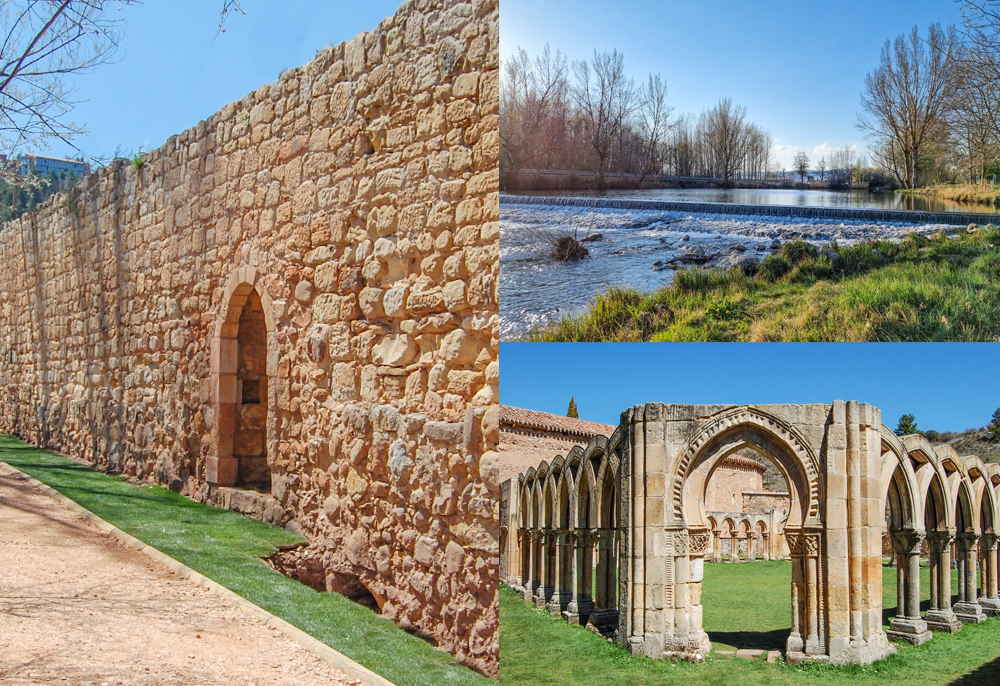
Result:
{"points": [[668, 455], [243, 371]]}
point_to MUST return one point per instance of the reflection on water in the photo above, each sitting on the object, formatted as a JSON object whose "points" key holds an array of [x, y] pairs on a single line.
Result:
{"points": [[783, 196]]}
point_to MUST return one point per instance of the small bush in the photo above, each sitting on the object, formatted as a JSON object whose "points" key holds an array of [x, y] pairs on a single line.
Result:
{"points": [[797, 251], [773, 268], [566, 249]]}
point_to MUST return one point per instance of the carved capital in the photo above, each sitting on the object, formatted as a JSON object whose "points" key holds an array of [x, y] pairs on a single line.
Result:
{"points": [[680, 542], [988, 542], [907, 542], [699, 542], [966, 541], [802, 544], [938, 541]]}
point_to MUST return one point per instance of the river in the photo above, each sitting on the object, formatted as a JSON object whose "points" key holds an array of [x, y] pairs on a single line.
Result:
{"points": [[782, 196], [536, 289]]}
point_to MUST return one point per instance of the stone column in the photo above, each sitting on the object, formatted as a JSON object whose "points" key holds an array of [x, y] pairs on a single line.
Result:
{"points": [[991, 599], [796, 645], [750, 551], [734, 547], [968, 609], [524, 539], [941, 617], [907, 624], [561, 591], [545, 586], [766, 545], [534, 578], [580, 604], [605, 608], [716, 550]]}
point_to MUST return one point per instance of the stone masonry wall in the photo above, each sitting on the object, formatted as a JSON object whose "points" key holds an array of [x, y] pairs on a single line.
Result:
{"points": [[357, 197], [725, 489]]}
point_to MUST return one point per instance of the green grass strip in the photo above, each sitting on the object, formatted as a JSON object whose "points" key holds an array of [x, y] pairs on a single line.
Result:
{"points": [[227, 547], [751, 600]]}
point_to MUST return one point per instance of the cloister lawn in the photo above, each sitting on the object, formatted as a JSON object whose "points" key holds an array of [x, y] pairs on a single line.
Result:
{"points": [[227, 547], [745, 606]]}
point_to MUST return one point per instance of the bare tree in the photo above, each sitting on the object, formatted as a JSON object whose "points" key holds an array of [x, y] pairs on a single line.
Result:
{"points": [[229, 8], [533, 117], [842, 164], [654, 115], [801, 164], [909, 95], [725, 129], [821, 166], [47, 43], [606, 102]]}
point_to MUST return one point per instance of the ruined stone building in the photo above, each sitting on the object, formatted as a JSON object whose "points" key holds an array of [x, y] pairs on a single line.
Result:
{"points": [[632, 507], [290, 310], [746, 520], [528, 437]]}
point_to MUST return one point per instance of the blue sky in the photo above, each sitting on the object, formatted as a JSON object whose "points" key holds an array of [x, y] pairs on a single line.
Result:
{"points": [[797, 66], [947, 387], [173, 71]]}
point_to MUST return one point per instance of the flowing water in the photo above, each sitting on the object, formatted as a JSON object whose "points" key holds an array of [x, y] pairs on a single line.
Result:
{"points": [[782, 196], [536, 289]]}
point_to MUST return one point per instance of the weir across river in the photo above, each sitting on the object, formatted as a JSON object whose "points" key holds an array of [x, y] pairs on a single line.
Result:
{"points": [[868, 215]]}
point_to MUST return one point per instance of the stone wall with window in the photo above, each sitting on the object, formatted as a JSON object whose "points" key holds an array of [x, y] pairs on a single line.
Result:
{"points": [[290, 309]]}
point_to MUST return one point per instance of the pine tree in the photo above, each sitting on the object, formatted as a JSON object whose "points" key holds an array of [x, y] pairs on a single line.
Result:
{"points": [[994, 426], [906, 425], [571, 412]]}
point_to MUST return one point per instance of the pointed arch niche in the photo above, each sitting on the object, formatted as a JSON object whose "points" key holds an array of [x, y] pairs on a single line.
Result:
{"points": [[244, 367]]}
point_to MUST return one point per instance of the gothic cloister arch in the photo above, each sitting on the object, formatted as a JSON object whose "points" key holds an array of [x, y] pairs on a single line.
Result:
{"points": [[234, 389]]}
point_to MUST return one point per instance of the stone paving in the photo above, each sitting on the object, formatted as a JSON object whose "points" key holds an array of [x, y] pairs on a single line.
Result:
{"points": [[77, 607]]}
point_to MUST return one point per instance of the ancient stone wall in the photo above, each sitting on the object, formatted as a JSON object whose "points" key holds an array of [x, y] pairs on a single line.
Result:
{"points": [[291, 309], [729, 480]]}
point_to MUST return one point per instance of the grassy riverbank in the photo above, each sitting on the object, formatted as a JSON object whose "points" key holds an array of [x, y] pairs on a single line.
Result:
{"points": [[983, 194], [919, 289]]}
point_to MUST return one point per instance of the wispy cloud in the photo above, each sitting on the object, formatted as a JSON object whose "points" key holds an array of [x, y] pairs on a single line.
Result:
{"points": [[825, 149], [783, 154]]}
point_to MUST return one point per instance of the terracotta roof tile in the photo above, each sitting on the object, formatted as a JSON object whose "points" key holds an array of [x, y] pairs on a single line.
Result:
{"points": [[534, 419], [745, 462]]}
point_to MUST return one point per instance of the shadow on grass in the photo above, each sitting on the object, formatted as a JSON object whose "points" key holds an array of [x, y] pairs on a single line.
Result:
{"points": [[986, 675], [752, 640]]}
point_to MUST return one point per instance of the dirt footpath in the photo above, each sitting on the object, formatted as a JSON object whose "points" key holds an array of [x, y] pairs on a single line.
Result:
{"points": [[77, 607]]}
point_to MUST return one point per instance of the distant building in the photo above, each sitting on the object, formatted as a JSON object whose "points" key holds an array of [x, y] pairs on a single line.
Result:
{"points": [[44, 165]]}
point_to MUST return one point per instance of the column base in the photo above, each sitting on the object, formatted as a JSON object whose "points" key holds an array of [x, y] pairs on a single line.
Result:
{"points": [[558, 602], [943, 620], [858, 651], [691, 647], [578, 611], [604, 618], [542, 595], [991, 606], [909, 629], [969, 613]]}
